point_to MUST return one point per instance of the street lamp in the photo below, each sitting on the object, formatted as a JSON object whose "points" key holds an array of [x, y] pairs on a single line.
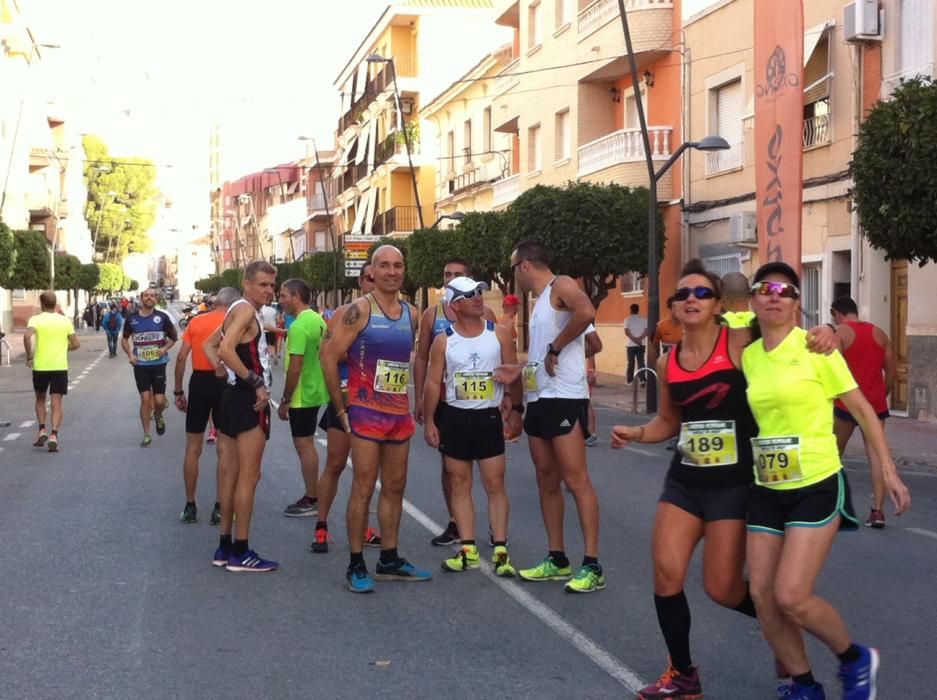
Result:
{"points": [[376, 58], [710, 143], [455, 216]]}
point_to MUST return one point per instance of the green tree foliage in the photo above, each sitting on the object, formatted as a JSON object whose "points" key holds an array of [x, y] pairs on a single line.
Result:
{"points": [[122, 220], [111, 278], [31, 270], [482, 239], [893, 168], [209, 285], [325, 271], [232, 278], [593, 232], [134, 285], [67, 272], [88, 277], [427, 252], [7, 254]]}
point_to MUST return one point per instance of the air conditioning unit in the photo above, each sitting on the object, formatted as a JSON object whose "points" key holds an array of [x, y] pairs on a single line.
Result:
{"points": [[742, 228], [862, 22]]}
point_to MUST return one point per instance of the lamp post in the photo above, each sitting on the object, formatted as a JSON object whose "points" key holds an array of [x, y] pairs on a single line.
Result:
{"points": [[710, 143], [455, 216], [375, 58]]}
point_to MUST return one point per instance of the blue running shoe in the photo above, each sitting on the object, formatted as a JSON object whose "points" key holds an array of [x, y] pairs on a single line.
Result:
{"points": [[401, 570], [359, 580], [795, 691], [221, 557], [858, 678], [249, 561]]}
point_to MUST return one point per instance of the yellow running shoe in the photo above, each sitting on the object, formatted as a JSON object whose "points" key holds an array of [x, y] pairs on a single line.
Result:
{"points": [[466, 558], [546, 570], [502, 562], [588, 579]]}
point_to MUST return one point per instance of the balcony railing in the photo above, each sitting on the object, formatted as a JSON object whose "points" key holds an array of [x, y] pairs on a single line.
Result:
{"points": [[601, 11], [623, 146], [506, 191], [507, 79], [722, 161], [402, 219], [817, 131]]}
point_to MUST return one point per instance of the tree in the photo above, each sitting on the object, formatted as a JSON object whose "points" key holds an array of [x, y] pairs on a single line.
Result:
{"points": [[427, 252], [67, 271], [111, 278], [482, 239], [593, 232], [31, 270], [209, 285], [232, 278], [134, 285], [7, 254], [893, 168], [88, 277], [325, 271], [122, 220]]}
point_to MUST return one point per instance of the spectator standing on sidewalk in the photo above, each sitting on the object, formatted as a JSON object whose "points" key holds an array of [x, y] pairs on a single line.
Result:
{"points": [[113, 322], [669, 332], [867, 351], [508, 319], [636, 333]]}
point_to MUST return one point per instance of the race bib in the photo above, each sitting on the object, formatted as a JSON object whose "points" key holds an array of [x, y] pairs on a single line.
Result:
{"points": [[530, 377], [777, 459], [474, 386], [392, 377], [148, 354], [708, 443]]}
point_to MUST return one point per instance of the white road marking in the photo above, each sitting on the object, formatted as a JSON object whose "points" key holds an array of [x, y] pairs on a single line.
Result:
{"points": [[11, 436], [921, 531], [646, 453], [323, 442], [27, 423], [604, 660]]}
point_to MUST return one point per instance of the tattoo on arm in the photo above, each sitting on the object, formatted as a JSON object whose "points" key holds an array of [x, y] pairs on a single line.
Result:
{"points": [[352, 315]]}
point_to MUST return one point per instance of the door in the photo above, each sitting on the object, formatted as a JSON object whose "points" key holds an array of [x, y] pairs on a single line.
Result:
{"points": [[899, 336]]}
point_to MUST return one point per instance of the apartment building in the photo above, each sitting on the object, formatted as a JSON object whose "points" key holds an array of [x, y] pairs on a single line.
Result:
{"points": [[385, 166], [322, 220]]}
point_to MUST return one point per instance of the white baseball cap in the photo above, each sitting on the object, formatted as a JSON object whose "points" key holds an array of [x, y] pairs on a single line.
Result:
{"points": [[461, 286]]}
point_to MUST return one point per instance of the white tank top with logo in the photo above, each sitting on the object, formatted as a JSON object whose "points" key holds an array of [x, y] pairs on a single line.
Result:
{"points": [[569, 382], [470, 365]]}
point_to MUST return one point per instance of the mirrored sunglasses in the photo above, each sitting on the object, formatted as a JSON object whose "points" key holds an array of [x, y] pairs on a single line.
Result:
{"points": [[782, 289], [701, 292], [469, 295]]}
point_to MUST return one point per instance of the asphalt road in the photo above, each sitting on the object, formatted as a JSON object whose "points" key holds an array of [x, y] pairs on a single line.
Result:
{"points": [[105, 594]]}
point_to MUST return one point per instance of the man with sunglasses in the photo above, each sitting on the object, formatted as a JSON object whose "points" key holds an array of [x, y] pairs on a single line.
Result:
{"points": [[557, 395]]}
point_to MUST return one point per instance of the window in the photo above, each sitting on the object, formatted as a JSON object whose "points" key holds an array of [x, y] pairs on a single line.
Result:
{"points": [[450, 151], [467, 141], [723, 264], [916, 42], [486, 129], [534, 30], [817, 120], [632, 283], [534, 162], [810, 295], [561, 136], [631, 109], [19, 295], [563, 12], [727, 101]]}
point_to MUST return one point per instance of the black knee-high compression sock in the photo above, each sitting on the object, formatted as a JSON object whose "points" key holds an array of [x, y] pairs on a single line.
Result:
{"points": [[673, 615]]}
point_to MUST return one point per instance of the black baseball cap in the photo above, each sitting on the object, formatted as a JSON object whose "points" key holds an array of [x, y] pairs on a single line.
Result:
{"points": [[777, 268]]}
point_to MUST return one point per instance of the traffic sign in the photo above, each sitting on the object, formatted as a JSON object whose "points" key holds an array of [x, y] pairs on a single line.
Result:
{"points": [[351, 238], [356, 255], [354, 264]]}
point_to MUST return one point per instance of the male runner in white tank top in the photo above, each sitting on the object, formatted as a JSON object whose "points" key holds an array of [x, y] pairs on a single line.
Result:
{"points": [[557, 404]]}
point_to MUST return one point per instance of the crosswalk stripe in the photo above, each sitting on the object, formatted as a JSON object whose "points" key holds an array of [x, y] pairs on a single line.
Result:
{"points": [[11, 436], [27, 423]]}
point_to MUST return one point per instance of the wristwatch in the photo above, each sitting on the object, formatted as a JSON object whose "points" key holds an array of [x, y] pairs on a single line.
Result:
{"points": [[519, 408], [178, 393], [552, 351]]}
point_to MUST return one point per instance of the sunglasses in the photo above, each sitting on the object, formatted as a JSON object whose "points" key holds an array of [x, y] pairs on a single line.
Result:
{"points": [[684, 293], [782, 289], [519, 262], [469, 295]]}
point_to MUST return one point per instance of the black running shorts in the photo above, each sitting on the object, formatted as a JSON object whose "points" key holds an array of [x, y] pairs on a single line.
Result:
{"points": [[550, 418], [470, 434], [205, 392], [773, 510], [237, 413], [707, 503], [303, 421], [50, 381], [150, 378]]}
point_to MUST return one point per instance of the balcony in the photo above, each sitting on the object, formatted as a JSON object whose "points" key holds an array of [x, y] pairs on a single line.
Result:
{"points": [[394, 145], [464, 182], [601, 12], [818, 131], [354, 174], [623, 146], [507, 78], [718, 162], [506, 191], [397, 220]]}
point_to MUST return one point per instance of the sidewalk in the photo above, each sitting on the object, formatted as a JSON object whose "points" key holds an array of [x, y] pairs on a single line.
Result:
{"points": [[913, 443]]}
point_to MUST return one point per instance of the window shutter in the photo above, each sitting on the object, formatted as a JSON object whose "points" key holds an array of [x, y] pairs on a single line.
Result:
{"points": [[729, 112]]}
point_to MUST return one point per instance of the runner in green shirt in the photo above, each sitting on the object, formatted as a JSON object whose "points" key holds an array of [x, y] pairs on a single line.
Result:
{"points": [[304, 391]]}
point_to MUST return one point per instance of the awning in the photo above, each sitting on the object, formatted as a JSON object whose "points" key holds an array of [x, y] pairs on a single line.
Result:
{"points": [[363, 144], [372, 143], [813, 36], [369, 215], [343, 157]]}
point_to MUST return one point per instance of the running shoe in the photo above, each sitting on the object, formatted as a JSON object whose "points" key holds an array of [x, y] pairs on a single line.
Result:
{"points": [[212, 437], [546, 570], [189, 514], [447, 537], [147, 440], [372, 538], [249, 561], [53, 443], [215, 518], [465, 559], [501, 563], [588, 579], [876, 519], [673, 684], [795, 691], [221, 557], [41, 438], [359, 580], [303, 508], [320, 543], [592, 441], [400, 570], [858, 678], [160, 424]]}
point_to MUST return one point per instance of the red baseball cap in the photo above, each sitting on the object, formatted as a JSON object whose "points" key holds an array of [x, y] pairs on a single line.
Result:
{"points": [[511, 300]]}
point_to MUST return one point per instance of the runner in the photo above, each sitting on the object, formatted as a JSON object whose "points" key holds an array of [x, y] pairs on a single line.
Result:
{"points": [[735, 300], [435, 320], [339, 441], [593, 348], [801, 497], [244, 420], [557, 403], [153, 334], [376, 336], [112, 325], [304, 389], [869, 356], [469, 425], [269, 315], [204, 400], [48, 339]]}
